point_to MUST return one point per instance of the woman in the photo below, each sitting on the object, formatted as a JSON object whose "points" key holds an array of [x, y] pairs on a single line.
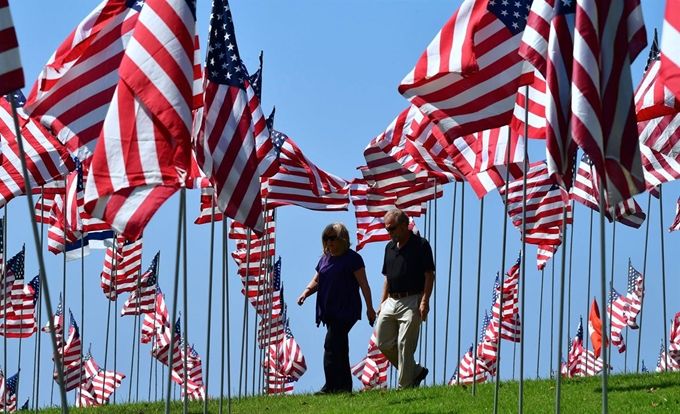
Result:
{"points": [[339, 276]]}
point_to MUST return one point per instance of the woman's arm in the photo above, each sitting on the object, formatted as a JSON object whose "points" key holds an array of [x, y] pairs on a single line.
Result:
{"points": [[360, 275], [311, 289]]}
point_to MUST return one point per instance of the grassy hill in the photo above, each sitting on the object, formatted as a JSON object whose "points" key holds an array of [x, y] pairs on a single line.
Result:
{"points": [[630, 393]]}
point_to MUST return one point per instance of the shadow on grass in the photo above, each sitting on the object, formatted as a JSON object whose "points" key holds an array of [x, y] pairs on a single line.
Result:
{"points": [[637, 387]]}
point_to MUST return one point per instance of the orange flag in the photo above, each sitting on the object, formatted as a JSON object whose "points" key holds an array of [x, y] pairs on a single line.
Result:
{"points": [[595, 329]]}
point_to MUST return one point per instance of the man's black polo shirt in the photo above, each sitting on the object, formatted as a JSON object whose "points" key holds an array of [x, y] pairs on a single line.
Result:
{"points": [[405, 268]]}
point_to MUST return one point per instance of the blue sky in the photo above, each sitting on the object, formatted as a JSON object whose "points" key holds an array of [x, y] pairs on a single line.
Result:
{"points": [[332, 69]]}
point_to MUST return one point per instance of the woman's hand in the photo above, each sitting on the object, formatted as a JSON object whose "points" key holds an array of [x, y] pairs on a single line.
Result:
{"points": [[301, 299], [371, 315]]}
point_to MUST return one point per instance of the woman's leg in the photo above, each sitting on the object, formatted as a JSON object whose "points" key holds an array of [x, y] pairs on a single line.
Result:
{"points": [[336, 357]]}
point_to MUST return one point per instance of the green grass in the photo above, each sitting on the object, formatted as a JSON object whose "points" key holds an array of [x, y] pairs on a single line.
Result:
{"points": [[645, 393]]}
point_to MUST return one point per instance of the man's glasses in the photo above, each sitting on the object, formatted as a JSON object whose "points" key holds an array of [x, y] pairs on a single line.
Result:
{"points": [[391, 228], [329, 238]]}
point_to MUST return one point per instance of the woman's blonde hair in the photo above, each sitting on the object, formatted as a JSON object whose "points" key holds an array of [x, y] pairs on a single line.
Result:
{"points": [[336, 229]]}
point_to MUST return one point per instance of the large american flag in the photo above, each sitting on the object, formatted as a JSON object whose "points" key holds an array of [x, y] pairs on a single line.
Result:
{"points": [[467, 78], [11, 72], [608, 36], [670, 47], [84, 70], [144, 151], [46, 159], [228, 135], [652, 98]]}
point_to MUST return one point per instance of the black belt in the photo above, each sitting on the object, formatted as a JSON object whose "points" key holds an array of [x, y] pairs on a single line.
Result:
{"points": [[404, 294]]}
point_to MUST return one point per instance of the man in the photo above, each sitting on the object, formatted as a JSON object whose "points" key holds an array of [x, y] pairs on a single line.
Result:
{"points": [[409, 276]]}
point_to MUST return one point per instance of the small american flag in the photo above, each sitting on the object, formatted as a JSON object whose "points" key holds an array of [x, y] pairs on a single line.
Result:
{"points": [[11, 72], [665, 362], [155, 321], [617, 310], [15, 268], [73, 348], [10, 394], [634, 295], [142, 299], [644, 368], [57, 321]]}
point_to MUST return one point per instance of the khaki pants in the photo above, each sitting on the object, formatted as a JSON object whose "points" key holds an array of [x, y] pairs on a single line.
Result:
{"points": [[397, 332]]}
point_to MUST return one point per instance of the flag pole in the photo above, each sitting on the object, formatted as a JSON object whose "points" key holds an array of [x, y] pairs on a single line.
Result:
{"points": [[503, 249], [153, 339], [644, 270], [560, 318], [132, 359], [36, 359], [115, 338], [137, 324], [540, 319], [262, 280], [4, 293], [522, 281], [185, 328], [82, 303], [552, 314], [590, 261], [227, 332], [243, 373], [571, 255], [180, 218], [479, 283], [36, 241], [420, 331], [448, 289], [210, 287], [460, 275], [663, 274], [434, 292], [603, 281], [428, 235], [611, 283]]}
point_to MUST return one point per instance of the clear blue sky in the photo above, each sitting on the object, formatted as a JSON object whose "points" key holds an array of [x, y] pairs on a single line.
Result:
{"points": [[332, 70]]}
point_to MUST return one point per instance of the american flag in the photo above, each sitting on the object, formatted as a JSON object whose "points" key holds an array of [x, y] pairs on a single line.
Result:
{"points": [[46, 159], [595, 328], [271, 330], [9, 395], [72, 350], [11, 72], [104, 383], [535, 98], [670, 47], [370, 228], [57, 321], [161, 351], [209, 209], [487, 349], [634, 295], [652, 98], [664, 362], [195, 374], [492, 150], [142, 299], [617, 309], [586, 191], [46, 194], [644, 369], [608, 35], [372, 369], [543, 200], [676, 220], [582, 362], [15, 269], [125, 263], [467, 78], [544, 253], [674, 338], [466, 372], [293, 361], [20, 319], [228, 135], [157, 67], [84, 69], [155, 321], [657, 138], [24, 407]]}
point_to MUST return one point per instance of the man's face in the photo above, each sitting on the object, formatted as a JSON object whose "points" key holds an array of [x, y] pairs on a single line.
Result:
{"points": [[394, 229]]}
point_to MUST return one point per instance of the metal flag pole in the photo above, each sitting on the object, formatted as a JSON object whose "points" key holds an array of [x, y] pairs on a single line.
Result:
{"points": [[448, 289], [460, 274], [420, 330], [434, 292], [540, 319], [479, 283], [36, 359], [138, 320], [503, 248], [175, 293], [590, 262], [552, 313], [522, 279], [243, 373], [82, 303], [644, 270], [185, 328], [571, 255], [4, 307], [611, 284], [603, 281], [227, 331], [428, 234], [153, 344], [560, 319], [132, 358], [663, 274], [210, 288]]}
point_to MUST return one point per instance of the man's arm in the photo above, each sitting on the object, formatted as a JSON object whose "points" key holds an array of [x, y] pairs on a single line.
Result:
{"points": [[425, 301], [383, 297]]}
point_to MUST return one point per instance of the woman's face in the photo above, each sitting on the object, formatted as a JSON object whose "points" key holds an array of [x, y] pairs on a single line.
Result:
{"points": [[331, 243]]}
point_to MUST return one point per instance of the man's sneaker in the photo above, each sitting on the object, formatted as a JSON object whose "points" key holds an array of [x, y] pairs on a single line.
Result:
{"points": [[420, 377]]}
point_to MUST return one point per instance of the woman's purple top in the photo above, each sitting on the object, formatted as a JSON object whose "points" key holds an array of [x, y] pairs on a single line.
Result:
{"points": [[338, 290]]}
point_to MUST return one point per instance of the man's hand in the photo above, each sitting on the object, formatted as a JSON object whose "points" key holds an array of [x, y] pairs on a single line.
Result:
{"points": [[371, 315], [424, 310]]}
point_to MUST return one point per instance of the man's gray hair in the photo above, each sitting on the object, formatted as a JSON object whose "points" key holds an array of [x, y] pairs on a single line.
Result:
{"points": [[399, 215]]}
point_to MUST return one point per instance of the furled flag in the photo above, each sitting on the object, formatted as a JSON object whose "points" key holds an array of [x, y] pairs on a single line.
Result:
{"points": [[595, 329], [606, 40], [634, 295], [617, 309], [124, 260], [676, 221], [15, 268], [670, 47], [11, 72], [586, 190], [467, 78], [155, 321], [142, 299], [57, 321], [46, 159], [84, 70], [144, 151], [664, 362], [228, 134], [644, 369], [652, 98], [72, 350]]}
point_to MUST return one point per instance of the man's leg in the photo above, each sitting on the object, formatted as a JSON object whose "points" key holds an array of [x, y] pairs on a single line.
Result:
{"points": [[409, 328], [387, 331]]}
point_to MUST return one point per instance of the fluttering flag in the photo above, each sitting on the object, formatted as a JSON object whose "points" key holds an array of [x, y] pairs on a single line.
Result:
{"points": [[595, 329]]}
